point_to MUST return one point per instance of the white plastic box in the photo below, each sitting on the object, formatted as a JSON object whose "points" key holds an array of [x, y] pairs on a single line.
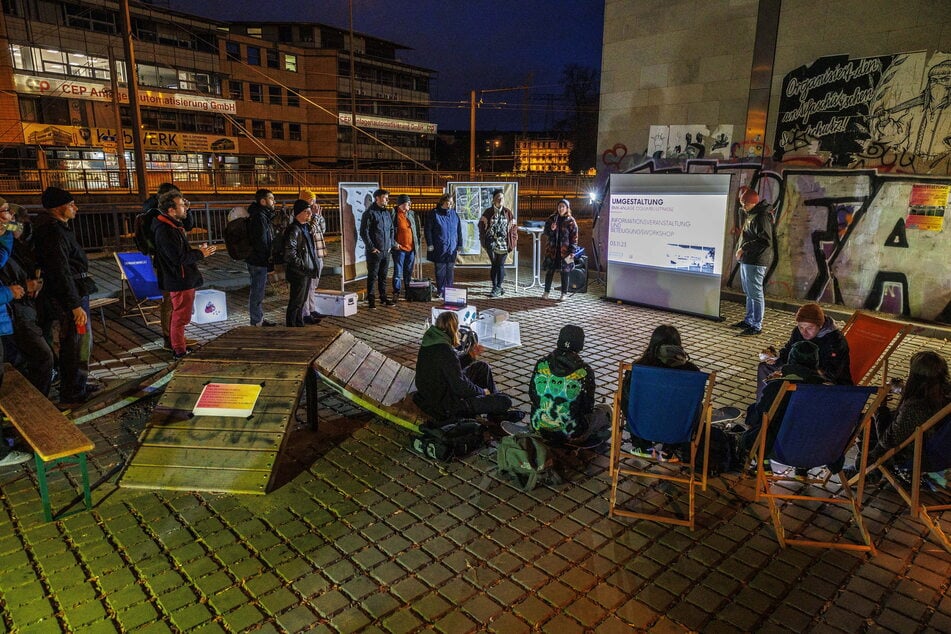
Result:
{"points": [[467, 314], [210, 306], [500, 335], [336, 303]]}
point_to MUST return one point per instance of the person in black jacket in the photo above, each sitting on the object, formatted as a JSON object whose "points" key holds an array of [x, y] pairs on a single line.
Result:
{"points": [[177, 263], [260, 262], [453, 385], [755, 254], [300, 262], [66, 271], [377, 233]]}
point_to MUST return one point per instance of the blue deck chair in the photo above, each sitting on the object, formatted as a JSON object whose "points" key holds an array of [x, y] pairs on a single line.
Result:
{"points": [[819, 425], [664, 406], [138, 276], [932, 454]]}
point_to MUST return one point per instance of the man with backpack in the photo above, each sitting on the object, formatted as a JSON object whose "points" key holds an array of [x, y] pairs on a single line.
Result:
{"points": [[260, 262]]}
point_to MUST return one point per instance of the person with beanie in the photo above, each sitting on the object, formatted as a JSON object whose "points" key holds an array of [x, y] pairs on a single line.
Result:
{"points": [[376, 232], [261, 260], [68, 283], [499, 236], [813, 325], [561, 231], [405, 244], [754, 254], [300, 262], [318, 227], [562, 392], [443, 231]]}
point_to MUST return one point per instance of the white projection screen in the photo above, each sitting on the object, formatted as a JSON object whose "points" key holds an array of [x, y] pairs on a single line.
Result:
{"points": [[666, 236]]}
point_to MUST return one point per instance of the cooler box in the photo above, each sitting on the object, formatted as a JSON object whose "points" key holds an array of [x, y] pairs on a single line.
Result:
{"points": [[497, 335], [336, 303], [210, 306], [467, 314]]}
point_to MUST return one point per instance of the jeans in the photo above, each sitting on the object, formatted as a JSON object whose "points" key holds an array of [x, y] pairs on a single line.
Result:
{"points": [[497, 273], [300, 286], [182, 304], [480, 373], [256, 296], [310, 306], [751, 276], [445, 272], [564, 281], [402, 269], [377, 266]]}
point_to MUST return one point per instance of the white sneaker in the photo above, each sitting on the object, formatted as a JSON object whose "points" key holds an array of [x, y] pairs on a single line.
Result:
{"points": [[545, 295], [562, 297], [14, 458]]}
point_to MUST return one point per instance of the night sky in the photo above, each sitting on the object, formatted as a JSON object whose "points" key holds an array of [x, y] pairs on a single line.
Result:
{"points": [[472, 44]]}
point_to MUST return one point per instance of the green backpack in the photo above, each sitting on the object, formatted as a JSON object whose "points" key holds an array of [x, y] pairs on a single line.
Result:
{"points": [[525, 459]]}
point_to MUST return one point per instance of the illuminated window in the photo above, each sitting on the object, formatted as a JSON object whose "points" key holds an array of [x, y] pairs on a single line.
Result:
{"points": [[290, 63]]}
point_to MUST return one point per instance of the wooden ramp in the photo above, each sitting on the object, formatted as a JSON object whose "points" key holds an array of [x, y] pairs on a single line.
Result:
{"points": [[371, 380], [180, 451]]}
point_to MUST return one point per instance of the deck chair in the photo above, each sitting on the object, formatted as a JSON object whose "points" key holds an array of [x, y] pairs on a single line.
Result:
{"points": [[931, 454], [138, 279], [818, 426], [664, 406], [872, 340]]}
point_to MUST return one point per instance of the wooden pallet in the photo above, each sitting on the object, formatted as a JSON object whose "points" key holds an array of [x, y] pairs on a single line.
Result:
{"points": [[180, 451], [371, 380]]}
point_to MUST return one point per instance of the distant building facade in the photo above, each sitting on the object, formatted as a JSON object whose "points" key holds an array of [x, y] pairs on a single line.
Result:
{"points": [[542, 155]]}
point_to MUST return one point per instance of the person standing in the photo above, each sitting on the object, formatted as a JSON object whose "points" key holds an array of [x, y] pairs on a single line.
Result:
{"points": [[406, 242], [178, 265], [443, 232], [300, 262], [318, 227], [66, 271], [260, 262], [755, 254], [499, 235], [376, 231], [561, 230]]}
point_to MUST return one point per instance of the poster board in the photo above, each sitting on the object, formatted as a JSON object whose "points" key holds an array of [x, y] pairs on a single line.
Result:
{"points": [[666, 240], [354, 198], [471, 200]]}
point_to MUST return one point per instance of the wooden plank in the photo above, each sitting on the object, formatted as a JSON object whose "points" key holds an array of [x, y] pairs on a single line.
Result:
{"points": [[382, 381], [264, 406], [255, 440], [250, 355], [276, 370], [273, 422], [232, 459], [196, 479], [364, 375], [405, 378], [335, 353], [44, 427], [269, 389], [351, 362]]}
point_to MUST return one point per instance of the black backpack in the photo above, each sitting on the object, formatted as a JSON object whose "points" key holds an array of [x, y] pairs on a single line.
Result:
{"points": [[142, 231], [723, 448], [455, 440], [238, 239]]}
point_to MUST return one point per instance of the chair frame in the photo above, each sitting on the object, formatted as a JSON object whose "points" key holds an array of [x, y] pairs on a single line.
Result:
{"points": [[881, 362], [144, 306], [851, 499], [912, 495], [690, 479]]}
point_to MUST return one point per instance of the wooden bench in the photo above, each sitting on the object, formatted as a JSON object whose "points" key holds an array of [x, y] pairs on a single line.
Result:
{"points": [[54, 438]]}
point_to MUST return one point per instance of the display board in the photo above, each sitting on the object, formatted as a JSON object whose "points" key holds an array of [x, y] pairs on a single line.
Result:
{"points": [[471, 200], [354, 198], [666, 236]]}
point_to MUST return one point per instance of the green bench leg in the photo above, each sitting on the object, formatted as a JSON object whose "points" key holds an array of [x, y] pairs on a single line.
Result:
{"points": [[44, 489], [80, 459]]}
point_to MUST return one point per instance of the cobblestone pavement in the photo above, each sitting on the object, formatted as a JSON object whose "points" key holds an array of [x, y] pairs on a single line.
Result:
{"points": [[367, 536]]}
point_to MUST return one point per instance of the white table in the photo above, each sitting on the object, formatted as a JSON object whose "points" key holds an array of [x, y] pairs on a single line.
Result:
{"points": [[536, 233]]}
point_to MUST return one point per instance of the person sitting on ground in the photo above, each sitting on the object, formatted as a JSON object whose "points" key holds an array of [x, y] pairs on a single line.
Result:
{"points": [[812, 324], [562, 391], [802, 366], [452, 385], [664, 350]]}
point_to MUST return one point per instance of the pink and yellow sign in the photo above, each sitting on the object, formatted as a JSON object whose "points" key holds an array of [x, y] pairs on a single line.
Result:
{"points": [[926, 206], [227, 399]]}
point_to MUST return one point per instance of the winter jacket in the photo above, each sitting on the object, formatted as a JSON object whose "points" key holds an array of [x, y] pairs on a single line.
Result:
{"points": [[894, 427], [485, 226], [376, 231], [61, 259], [562, 241], [6, 295], [440, 382], [318, 227], [411, 217], [175, 261], [18, 270], [834, 361], [562, 392], [756, 240], [300, 255], [261, 235], [443, 231]]}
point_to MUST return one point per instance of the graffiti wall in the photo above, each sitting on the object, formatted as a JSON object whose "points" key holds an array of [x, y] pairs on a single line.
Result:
{"points": [[867, 238], [891, 112]]}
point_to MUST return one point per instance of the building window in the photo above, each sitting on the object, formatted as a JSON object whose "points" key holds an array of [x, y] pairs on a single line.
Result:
{"points": [[274, 95], [255, 92], [236, 89], [157, 76], [257, 128], [290, 63], [277, 130], [293, 132], [254, 55], [293, 99], [273, 58], [47, 60], [234, 51], [255, 31], [89, 19]]}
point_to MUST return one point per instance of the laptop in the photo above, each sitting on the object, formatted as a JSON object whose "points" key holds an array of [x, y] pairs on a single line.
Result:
{"points": [[455, 298]]}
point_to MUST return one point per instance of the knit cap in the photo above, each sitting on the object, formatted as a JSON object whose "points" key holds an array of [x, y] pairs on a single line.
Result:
{"points": [[300, 205], [54, 197], [401, 199], [811, 313], [804, 353], [306, 194]]}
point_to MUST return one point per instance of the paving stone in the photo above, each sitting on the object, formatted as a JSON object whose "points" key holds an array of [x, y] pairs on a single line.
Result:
{"points": [[359, 587], [431, 606], [224, 601], [404, 620], [636, 614], [533, 610], [330, 602], [191, 616], [277, 601]]}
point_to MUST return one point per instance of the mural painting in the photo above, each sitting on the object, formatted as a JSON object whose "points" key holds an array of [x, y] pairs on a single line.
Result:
{"points": [[689, 141]]}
